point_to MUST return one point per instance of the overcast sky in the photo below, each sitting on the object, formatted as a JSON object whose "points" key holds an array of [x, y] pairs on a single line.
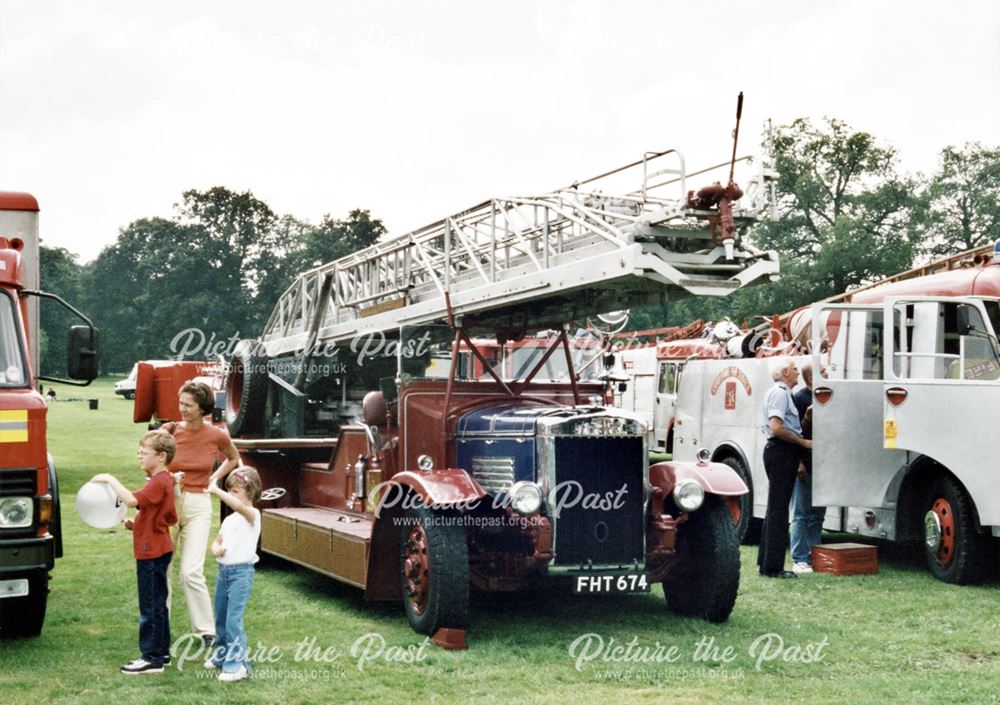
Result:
{"points": [[109, 110]]}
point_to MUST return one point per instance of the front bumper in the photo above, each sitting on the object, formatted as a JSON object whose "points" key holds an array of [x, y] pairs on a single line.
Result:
{"points": [[26, 555]]}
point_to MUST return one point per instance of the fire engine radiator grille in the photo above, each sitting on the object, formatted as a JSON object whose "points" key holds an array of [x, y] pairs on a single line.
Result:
{"points": [[17, 483], [494, 474], [600, 535]]}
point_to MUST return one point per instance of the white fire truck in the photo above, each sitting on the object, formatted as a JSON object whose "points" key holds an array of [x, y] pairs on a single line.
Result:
{"points": [[909, 383]]}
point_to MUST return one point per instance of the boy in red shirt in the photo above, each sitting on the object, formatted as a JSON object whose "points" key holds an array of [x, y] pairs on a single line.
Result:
{"points": [[153, 548]]}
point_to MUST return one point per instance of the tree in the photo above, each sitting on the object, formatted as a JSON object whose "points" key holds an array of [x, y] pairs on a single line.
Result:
{"points": [[60, 274], [965, 199]]}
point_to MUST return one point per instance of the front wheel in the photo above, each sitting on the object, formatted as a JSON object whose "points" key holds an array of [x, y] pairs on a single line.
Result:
{"points": [[706, 576], [954, 551], [24, 616], [434, 570]]}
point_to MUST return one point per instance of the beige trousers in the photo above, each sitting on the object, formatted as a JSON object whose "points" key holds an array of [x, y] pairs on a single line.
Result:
{"points": [[194, 524]]}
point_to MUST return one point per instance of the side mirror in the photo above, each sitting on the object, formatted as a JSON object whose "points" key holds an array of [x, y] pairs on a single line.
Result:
{"points": [[81, 353]]}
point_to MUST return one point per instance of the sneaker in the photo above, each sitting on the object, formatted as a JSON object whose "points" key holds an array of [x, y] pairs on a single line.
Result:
{"points": [[801, 568], [140, 665], [237, 675], [210, 664], [166, 660]]}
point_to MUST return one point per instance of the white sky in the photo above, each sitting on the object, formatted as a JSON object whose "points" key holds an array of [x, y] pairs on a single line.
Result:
{"points": [[109, 110]]}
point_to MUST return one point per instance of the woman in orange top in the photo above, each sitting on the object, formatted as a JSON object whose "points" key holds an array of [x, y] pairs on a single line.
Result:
{"points": [[199, 445]]}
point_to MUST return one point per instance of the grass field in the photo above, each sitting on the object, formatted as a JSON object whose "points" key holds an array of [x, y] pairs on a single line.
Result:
{"points": [[898, 637]]}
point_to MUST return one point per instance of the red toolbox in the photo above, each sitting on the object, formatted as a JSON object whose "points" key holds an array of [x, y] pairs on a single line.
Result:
{"points": [[845, 559]]}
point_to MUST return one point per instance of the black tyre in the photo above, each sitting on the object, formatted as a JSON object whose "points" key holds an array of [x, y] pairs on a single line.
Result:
{"points": [[748, 529], [130, 395], [24, 616], [959, 554], [434, 571], [706, 577], [246, 390]]}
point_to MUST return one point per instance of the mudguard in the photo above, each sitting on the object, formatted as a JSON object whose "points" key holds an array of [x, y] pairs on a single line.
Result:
{"points": [[439, 488], [714, 478]]}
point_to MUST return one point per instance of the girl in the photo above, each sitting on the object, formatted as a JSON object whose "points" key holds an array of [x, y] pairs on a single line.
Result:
{"points": [[236, 550]]}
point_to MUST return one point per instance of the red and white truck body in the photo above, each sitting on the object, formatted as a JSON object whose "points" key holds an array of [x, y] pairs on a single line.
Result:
{"points": [[30, 532], [906, 387]]}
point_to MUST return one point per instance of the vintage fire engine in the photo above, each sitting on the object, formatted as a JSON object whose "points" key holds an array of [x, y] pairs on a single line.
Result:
{"points": [[30, 529], [414, 487], [887, 462]]}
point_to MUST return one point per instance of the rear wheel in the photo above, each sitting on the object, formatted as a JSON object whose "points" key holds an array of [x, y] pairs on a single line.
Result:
{"points": [[706, 576], [954, 551], [748, 528], [24, 616], [434, 571], [246, 390]]}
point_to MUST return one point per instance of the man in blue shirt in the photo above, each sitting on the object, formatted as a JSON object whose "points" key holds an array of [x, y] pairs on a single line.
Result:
{"points": [[782, 454]]}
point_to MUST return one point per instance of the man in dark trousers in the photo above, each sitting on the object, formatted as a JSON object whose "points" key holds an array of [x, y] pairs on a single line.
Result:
{"points": [[782, 454], [807, 520]]}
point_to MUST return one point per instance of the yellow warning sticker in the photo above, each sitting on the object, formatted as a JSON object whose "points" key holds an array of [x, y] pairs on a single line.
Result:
{"points": [[890, 434], [14, 426]]}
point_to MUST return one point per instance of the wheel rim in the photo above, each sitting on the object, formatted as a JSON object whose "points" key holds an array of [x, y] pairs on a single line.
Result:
{"points": [[416, 569], [940, 531]]}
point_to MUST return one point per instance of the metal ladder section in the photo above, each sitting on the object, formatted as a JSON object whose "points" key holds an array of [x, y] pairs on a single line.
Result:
{"points": [[506, 252]]}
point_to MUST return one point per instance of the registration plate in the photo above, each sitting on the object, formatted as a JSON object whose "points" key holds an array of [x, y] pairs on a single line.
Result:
{"points": [[617, 583], [13, 588]]}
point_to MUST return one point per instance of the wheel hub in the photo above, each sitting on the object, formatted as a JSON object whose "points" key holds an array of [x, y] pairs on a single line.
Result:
{"points": [[939, 531], [416, 569]]}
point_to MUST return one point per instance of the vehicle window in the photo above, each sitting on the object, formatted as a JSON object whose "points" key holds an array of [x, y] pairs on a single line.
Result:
{"points": [[944, 341], [854, 345], [13, 372], [668, 377]]}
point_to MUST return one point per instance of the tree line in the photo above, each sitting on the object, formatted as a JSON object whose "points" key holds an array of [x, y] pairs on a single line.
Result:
{"points": [[847, 215]]}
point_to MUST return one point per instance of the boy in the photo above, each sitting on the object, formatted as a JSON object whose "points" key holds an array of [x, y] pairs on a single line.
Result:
{"points": [[153, 548]]}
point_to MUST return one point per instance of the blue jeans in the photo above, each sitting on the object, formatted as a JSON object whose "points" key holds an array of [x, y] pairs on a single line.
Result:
{"points": [[807, 520], [232, 591], [154, 619]]}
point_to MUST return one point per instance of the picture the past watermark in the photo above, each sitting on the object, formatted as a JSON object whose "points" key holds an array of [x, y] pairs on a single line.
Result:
{"points": [[610, 658]]}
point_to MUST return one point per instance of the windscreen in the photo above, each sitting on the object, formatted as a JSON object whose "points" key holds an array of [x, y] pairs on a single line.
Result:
{"points": [[13, 372]]}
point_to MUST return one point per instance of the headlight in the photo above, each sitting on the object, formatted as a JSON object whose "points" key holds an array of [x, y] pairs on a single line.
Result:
{"points": [[703, 455], [688, 495], [525, 497], [15, 512]]}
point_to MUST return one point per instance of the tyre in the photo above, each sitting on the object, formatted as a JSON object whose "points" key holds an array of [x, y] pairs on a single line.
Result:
{"points": [[954, 551], [24, 616], [706, 577], [434, 571], [246, 390], [748, 529], [130, 395]]}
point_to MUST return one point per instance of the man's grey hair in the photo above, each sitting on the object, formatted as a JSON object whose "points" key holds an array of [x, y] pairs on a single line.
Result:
{"points": [[779, 365]]}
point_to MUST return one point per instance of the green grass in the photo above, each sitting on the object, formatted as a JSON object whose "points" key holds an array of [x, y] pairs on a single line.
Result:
{"points": [[898, 637]]}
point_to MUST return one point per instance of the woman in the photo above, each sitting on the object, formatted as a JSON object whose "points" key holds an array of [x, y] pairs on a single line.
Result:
{"points": [[198, 447]]}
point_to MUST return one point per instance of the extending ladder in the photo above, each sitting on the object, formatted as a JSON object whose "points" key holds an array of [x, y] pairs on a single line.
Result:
{"points": [[564, 255]]}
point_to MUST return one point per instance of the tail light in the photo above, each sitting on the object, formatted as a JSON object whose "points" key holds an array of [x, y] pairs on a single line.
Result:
{"points": [[822, 395], [896, 395]]}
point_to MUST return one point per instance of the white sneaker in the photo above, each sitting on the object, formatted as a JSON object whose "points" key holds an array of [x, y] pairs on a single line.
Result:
{"points": [[235, 675], [139, 666], [210, 664], [801, 568]]}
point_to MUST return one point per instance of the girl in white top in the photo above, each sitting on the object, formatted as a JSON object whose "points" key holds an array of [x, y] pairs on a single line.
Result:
{"points": [[236, 550]]}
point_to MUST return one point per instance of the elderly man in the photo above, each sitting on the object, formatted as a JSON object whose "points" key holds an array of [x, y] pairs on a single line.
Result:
{"points": [[807, 520], [782, 453]]}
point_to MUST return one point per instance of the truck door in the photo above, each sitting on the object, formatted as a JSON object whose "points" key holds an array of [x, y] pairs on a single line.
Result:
{"points": [[850, 466], [942, 391], [666, 402]]}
